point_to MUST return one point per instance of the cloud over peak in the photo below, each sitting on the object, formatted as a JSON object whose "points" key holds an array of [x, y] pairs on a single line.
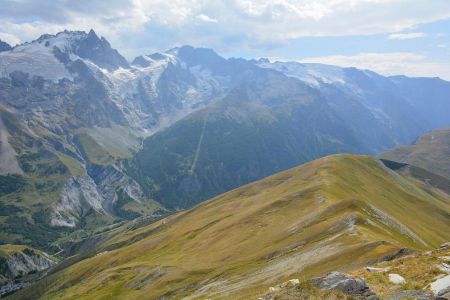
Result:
{"points": [[252, 22], [236, 27]]}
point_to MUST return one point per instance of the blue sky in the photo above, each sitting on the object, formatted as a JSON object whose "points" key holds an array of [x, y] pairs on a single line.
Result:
{"points": [[409, 37]]}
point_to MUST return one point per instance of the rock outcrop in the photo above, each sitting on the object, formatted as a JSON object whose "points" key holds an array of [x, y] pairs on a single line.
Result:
{"points": [[16, 262], [345, 283], [441, 287], [24, 261], [396, 279]]}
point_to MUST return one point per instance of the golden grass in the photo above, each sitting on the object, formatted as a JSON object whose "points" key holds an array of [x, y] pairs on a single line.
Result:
{"points": [[8, 249], [339, 212], [419, 270]]}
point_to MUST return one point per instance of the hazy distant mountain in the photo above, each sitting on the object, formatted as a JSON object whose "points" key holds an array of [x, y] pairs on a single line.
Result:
{"points": [[88, 138], [431, 152], [266, 125], [272, 121], [4, 46]]}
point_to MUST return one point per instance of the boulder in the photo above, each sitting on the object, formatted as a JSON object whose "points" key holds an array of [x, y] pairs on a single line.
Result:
{"points": [[441, 286], [445, 245], [344, 283], [396, 279]]}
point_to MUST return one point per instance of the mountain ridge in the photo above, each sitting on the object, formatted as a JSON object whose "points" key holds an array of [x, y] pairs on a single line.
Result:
{"points": [[428, 152], [75, 111], [294, 223]]}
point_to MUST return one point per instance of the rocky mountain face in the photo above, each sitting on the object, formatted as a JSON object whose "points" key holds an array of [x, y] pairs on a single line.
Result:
{"points": [[88, 138], [21, 260], [17, 262], [54, 98]]}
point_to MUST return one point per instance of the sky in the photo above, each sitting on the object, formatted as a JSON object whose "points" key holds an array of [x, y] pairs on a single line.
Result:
{"points": [[410, 37]]}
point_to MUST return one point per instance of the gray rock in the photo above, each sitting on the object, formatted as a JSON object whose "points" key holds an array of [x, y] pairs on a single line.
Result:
{"points": [[411, 294], [12, 287], [445, 245], [396, 279], [345, 283], [26, 261], [445, 296], [441, 286]]}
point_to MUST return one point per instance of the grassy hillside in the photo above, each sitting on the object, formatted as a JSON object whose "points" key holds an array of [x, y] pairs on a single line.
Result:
{"points": [[26, 197], [430, 152], [256, 131], [339, 212], [43, 164], [93, 151], [419, 269]]}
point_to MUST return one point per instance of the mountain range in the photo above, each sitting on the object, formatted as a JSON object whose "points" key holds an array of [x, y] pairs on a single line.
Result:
{"points": [[89, 139]]}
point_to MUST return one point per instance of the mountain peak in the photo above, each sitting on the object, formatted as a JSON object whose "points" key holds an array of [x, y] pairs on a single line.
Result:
{"points": [[85, 45], [92, 33], [100, 52], [263, 60], [4, 46], [197, 56]]}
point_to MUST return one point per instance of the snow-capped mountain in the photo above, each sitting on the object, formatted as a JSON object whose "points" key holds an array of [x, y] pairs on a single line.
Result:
{"points": [[279, 116], [85, 132]]}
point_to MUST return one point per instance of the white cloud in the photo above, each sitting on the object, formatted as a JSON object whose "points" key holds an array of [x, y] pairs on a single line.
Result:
{"points": [[406, 36], [9, 38], [247, 23], [393, 63], [142, 26], [206, 18]]}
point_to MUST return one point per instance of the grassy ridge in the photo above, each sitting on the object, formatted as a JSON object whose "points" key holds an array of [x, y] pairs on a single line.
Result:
{"points": [[430, 152], [339, 212]]}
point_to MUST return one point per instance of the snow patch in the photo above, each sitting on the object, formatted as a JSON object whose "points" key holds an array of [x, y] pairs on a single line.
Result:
{"points": [[312, 74], [35, 59]]}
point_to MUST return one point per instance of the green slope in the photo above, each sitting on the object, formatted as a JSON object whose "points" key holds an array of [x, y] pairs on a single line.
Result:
{"points": [[430, 152], [43, 163], [26, 197], [338, 212], [259, 129]]}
